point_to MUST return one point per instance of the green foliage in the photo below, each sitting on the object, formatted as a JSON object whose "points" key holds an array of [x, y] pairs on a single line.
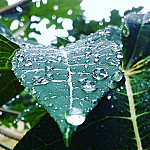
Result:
{"points": [[55, 9], [3, 4], [66, 9], [9, 85], [70, 78], [121, 115], [7, 51], [81, 85]]}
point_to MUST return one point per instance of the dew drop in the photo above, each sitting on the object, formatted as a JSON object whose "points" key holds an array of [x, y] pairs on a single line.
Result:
{"points": [[75, 116], [1, 113], [49, 76], [22, 77], [51, 105], [109, 97], [49, 68], [96, 59], [28, 63], [56, 7], [112, 84], [94, 101], [125, 30], [112, 106], [117, 76], [26, 110], [82, 78], [33, 91], [22, 118], [20, 58], [89, 86], [119, 55], [99, 74], [46, 98], [40, 81]]}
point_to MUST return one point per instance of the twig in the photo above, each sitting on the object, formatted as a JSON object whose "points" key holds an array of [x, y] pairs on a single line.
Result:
{"points": [[10, 111], [17, 34], [3, 146], [7, 9], [11, 134]]}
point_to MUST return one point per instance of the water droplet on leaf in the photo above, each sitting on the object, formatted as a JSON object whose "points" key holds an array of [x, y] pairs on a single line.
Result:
{"points": [[75, 116], [112, 84], [117, 76], [100, 74], [112, 106], [119, 55], [89, 86], [94, 101], [40, 80], [20, 58], [109, 97], [28, 63]]}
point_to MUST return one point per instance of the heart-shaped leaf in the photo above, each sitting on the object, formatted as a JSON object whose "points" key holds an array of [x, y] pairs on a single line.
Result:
{"points": [[121, 118], [68, 82]]}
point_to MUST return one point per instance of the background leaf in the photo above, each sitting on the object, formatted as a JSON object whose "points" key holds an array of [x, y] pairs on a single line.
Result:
{"points": [[3, 3], [9, 85], [136, 38], [33, 12]]}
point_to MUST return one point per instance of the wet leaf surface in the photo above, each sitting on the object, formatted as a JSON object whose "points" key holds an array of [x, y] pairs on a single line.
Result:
{"points": [[121, 118], [68, 82]]}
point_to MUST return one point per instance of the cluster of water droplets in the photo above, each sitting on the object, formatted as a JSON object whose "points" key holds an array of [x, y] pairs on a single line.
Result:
{"points": [[115, 78], [81, 74]]}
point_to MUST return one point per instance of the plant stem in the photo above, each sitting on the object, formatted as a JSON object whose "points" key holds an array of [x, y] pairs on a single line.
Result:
{"points": [[10, 111], [17, 34], [11, 134], [3, 146], [8, 9]]}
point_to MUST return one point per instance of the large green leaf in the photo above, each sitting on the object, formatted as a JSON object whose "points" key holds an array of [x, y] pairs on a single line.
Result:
{"points": [[121, 118], [68, 82], [9, 85]]}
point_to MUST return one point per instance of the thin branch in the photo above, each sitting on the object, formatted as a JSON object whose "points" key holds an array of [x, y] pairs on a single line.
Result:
{"points": [[11, 134], [10, 111], [3, 146], [7, 9], [17, 34]]}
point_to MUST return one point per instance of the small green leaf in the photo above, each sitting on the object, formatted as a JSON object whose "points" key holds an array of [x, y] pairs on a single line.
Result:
{"points": [[136, 44], [3, 4], [7, 51]]}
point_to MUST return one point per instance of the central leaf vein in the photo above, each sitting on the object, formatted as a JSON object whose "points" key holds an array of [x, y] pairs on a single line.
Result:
{"points": [[69, 78]]}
